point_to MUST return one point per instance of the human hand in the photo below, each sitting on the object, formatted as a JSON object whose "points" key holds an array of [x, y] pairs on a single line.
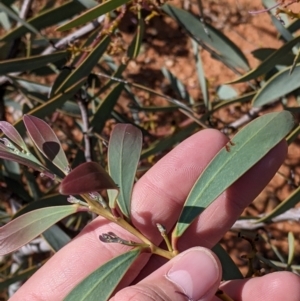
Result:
{"points": [[158, 198]]}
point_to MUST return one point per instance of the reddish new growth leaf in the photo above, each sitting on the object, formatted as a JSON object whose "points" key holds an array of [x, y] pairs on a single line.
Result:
{"points": [[46, 141], [26, 227], [87, 177]]}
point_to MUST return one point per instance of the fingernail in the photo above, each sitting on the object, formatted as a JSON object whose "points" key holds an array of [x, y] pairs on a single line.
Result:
{"points": [[194, 272]]}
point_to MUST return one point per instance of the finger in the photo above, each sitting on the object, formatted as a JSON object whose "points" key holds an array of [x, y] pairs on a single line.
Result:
{"points": [[192, 275], [276, 286], [151, 203], [156, 197]]}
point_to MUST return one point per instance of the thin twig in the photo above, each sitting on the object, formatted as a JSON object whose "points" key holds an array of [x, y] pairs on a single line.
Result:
{"points": [[24, 10], [182, 107], [82, 103]]}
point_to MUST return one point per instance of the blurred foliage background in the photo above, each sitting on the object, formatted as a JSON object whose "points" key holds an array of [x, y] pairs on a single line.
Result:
{"points": [[171, 68]]}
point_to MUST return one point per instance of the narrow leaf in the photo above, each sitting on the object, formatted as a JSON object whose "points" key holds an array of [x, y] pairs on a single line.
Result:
{"points": [[46, 18], [56, 237], [216, 39], [93, 13], [285, 34], [263, 53], [45, 201], [124, 150], [104, 110], [135, 46], [230, 270], [177, 86], [87, 65], [100, 284], [289, 202], [201, 74], [246, 148], [291, 242], [26, 227], [85, 178], [269, 63], [14, 16], [30, 63], [277, 86], [52, 104], [46, 141]]}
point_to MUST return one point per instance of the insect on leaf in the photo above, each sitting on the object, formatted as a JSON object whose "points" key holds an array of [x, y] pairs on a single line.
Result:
{"points": [[102, 282], [46, 141], [245, 149], [85, 178], [124, 150], [25, 228]]}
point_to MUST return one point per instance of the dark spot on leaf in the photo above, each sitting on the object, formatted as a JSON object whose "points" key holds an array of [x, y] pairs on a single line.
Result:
{"points": [[51, 149]]}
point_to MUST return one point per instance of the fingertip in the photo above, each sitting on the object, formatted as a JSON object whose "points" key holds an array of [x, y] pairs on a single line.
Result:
{"points": [[192, 275], [276, 286], [197, 272]]}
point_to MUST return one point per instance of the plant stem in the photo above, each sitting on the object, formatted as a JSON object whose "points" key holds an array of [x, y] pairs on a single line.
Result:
{"points": [[104, 212]]}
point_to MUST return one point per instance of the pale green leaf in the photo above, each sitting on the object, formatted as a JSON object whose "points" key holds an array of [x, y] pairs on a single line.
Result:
{"points": [[228, 51], [291, 242], [246, 148], [56, 238], [200, 74], [274, 59], [101, 283], [14, 16], [124, 150], [277, 86]]}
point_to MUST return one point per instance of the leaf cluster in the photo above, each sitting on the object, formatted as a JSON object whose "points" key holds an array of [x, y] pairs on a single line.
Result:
{"points": [[96, 174]]}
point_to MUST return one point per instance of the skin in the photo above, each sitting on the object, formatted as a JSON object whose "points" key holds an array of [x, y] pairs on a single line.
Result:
{"points": [[158, 198]]}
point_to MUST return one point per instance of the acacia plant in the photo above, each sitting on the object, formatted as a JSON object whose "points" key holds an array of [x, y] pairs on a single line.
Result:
{"points": [[80, 75], [90, 178]]}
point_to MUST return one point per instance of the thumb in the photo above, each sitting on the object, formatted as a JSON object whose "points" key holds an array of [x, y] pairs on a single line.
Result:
{"points": [[192, 275]]}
